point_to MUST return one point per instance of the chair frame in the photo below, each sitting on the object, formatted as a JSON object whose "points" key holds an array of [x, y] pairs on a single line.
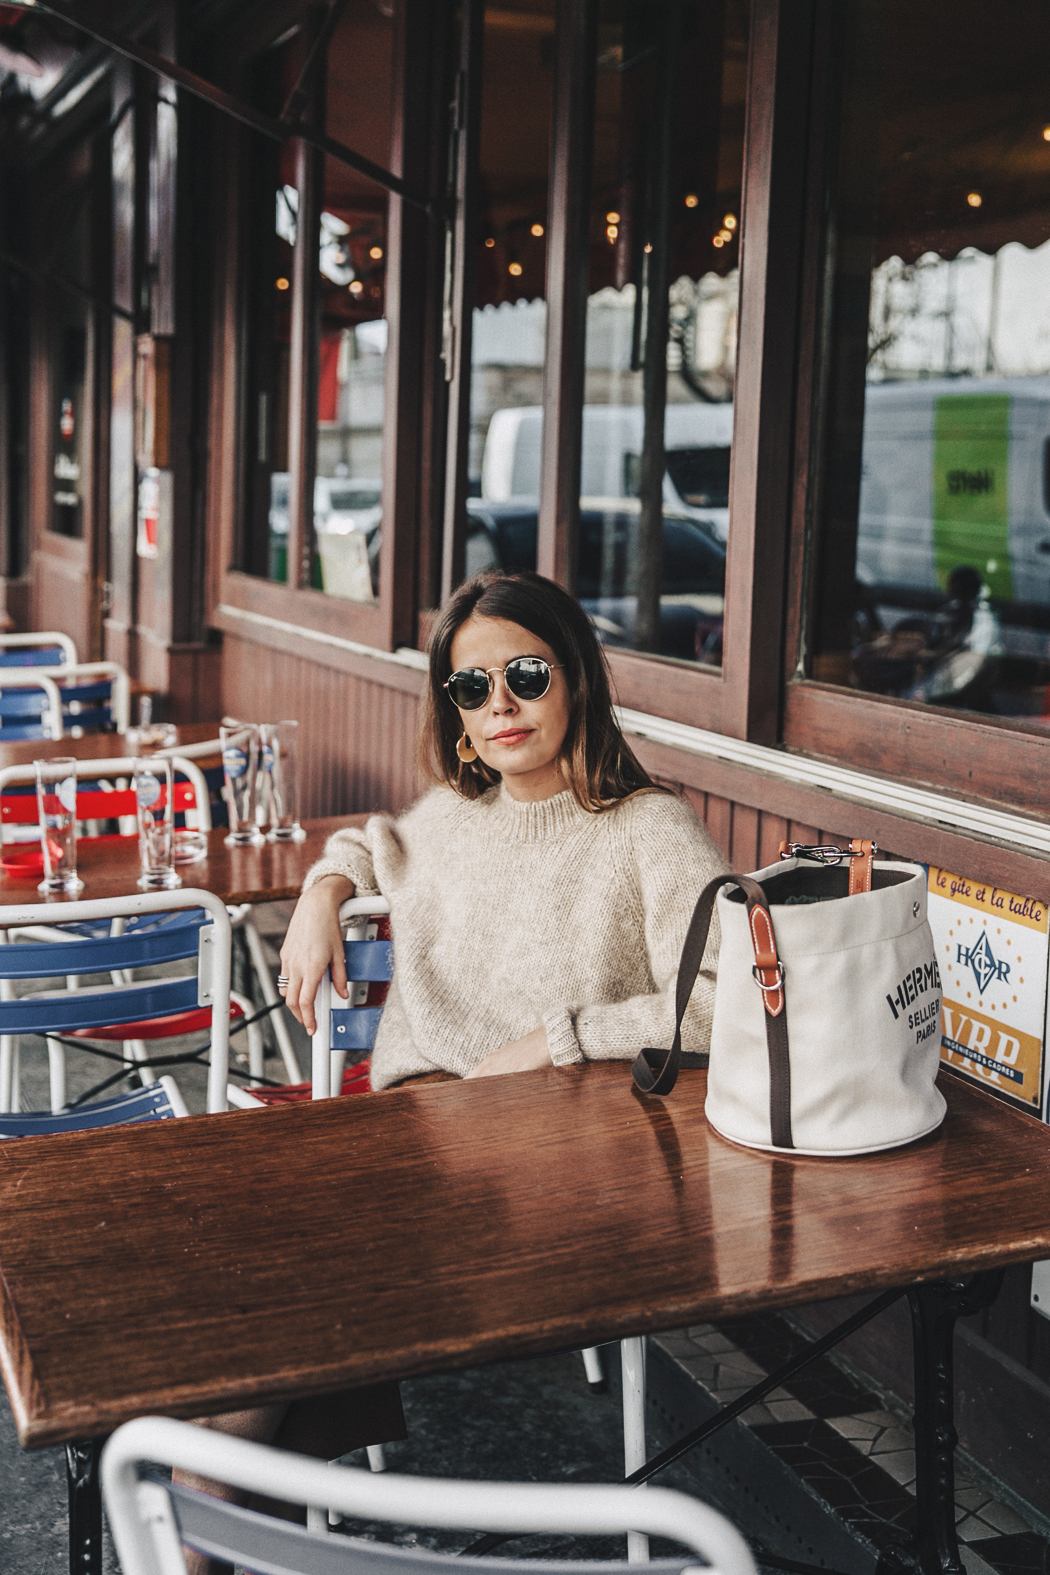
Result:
{"points": [[120, 702], [213, 965], [39, 678], [48, 638], [147, 1540]]}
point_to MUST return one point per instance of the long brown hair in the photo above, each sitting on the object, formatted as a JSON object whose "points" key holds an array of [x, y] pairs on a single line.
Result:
{"points": [[600, 767]]}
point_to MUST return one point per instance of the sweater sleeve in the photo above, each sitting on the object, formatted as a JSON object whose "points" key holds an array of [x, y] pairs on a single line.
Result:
{"points": [[669, 857], [350, 853]]}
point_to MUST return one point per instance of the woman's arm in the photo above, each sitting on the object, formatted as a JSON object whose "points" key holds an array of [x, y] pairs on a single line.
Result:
{"points": [[315, 942]]}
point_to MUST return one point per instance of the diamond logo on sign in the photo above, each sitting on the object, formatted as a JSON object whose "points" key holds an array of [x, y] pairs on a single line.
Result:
{"points": [[982, 962], [147, 790], [234, 762]]}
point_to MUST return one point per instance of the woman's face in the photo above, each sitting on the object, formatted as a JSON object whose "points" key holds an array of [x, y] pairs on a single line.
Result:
{"points": [[521, 739]]}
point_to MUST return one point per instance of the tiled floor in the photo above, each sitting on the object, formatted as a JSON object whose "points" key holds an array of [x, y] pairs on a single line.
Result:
{"points": [[843, 1444]]}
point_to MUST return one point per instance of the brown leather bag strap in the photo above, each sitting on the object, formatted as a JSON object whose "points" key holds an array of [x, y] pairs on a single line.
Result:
{"points": [[860, 865], [656, 1071]]}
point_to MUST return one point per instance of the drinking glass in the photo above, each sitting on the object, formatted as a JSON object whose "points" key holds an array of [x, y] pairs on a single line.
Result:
{"points": [[56, 802], [148, 734], [155, 801], [279, 774], [240, 763]]}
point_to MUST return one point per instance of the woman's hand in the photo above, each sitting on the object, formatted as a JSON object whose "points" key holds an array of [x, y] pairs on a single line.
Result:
{"points": [[524, 1055], [315, 942]]}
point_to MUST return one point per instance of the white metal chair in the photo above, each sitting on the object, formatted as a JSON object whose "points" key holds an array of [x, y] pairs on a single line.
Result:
{"points": [[353, 1029], [94, 695], [44, 648], [151, 1517], [207, 989]]}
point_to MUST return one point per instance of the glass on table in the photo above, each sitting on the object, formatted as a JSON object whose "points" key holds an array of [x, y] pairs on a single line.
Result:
{"points": [[279, 780], [240, 764], [56, 799], [149, 735], [154, 799]]}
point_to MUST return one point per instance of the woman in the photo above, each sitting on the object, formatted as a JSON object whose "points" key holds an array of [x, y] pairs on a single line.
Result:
{"points": [[540, 896]]}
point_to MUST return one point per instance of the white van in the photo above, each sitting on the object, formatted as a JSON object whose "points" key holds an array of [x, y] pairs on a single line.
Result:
{"points": [[697, 439], [956, 473]]}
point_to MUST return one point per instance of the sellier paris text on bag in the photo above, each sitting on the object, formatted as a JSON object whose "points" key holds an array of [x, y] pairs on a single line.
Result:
{"points": [[826, 1032]]}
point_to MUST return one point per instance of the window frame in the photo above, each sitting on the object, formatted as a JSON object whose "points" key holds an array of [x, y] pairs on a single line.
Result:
{"points": [[1000, 760]]}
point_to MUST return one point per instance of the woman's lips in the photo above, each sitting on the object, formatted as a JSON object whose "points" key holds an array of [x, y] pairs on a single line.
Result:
{"points": [[514, 737]]}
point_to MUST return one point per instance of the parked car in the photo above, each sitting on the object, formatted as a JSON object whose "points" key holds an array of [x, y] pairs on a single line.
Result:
{"points": [[347, 512], [692, 598]]}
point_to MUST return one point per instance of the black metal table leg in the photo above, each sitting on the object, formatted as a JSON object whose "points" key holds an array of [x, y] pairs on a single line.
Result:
{"points": [[935, 1309], [85, 1507]]}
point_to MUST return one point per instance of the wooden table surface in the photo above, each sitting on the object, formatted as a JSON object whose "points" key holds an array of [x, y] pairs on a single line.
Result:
{"points": [[205, 1264], [267, 874], [93, 746]]}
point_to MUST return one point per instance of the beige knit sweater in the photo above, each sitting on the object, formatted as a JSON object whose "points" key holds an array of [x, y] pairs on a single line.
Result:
{"points": [[508, 915]]}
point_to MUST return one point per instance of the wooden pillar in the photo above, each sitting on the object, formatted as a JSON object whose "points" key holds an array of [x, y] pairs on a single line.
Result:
{"points": [[572, 138], [460, 268]]}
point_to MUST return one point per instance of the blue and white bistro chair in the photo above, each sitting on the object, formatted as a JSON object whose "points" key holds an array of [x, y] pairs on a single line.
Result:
{"points": [[44, 648], [151, 1517], [203, 995], [352, 1029], [96, 697], [30, 705]]}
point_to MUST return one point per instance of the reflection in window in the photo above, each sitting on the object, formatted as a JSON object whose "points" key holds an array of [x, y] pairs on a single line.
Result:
{"points": [[933, 573], [351, 259], [688, 407]]}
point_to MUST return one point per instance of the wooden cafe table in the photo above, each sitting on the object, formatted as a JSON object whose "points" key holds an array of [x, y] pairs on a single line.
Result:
{"points": [[257, 1255]]}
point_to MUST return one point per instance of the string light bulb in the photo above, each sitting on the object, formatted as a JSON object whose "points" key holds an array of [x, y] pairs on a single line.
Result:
{"points": [[1046, 133], [537, 229], [692, 201], [356, 287], [515, 269], [717, 242], [282, 284], [612, 218], [974, 198], [490, 240], [647, 248], [612, 232], [730, 221], [375, 252]]}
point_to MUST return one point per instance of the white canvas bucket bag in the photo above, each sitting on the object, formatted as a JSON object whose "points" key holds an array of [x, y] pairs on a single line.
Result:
{"points": [[826, 1032]]}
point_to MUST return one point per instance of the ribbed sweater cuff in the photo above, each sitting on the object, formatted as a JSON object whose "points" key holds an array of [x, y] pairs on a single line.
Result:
{"points": [[561, 1038], [364, 886]]}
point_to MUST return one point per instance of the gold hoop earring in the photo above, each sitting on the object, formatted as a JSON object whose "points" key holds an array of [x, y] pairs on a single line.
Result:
{"points": [[466, 751]]}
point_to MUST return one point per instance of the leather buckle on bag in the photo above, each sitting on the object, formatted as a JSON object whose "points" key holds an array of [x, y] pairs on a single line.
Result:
{"points": [[823, 853], [768, 988]]}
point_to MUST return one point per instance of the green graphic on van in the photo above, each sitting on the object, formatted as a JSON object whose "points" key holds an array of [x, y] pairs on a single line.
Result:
{"points": [[971, 457]]}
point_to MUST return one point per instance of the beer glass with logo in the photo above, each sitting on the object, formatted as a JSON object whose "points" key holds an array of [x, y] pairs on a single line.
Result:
{"points": [[279, 777], [56, 801], [154, 800], [240, 764]]}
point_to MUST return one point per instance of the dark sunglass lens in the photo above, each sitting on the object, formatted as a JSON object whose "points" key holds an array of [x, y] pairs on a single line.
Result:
{"points": [[528, 677], [469, 689]]}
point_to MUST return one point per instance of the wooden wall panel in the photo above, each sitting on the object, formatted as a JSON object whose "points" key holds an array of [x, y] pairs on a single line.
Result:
{"points": [[357, 738]]}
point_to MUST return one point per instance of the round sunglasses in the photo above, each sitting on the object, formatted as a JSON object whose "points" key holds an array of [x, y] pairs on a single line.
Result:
{"points": [[527, 678]]}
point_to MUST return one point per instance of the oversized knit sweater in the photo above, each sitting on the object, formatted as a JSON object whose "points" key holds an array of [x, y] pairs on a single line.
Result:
{"points": [[508, 915]]}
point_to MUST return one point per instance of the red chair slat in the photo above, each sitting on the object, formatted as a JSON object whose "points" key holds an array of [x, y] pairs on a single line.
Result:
{"points": [[19, 809], [156, 1027]]}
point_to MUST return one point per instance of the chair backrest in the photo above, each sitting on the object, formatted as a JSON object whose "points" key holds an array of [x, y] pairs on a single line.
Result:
{"points": [[46, 648], [161, 1101], [95, 696], [351, 1029], [106, 1006], [30, 706], [149, 1516], [20, 809]]}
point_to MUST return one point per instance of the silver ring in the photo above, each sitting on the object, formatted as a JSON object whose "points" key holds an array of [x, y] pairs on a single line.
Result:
{"points": [[282, 979]]}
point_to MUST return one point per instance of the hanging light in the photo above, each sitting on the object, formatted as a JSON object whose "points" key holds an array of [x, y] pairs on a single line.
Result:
{"points": [[537, 229], [282, 284], [612, 232], [692, 201], [490, 240], [612, 218], [356, 287], [717, 242], [730, 221], [974, 198], [515, 269], [375, 252]]}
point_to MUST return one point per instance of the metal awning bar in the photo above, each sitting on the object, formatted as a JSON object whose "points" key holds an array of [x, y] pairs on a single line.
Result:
{"points": [[34, 271], [267, 125]]}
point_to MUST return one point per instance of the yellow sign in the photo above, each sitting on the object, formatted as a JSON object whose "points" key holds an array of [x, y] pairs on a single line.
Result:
{"points": [[993, 948]]}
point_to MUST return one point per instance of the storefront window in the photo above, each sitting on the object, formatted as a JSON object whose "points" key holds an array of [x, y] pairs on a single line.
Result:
{"points": [[658, 406], [932, 568], [510, 312], [352, 245]]}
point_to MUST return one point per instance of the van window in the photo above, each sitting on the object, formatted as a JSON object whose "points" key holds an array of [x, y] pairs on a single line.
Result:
{"points": [[931, 557], [700, 475]]}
